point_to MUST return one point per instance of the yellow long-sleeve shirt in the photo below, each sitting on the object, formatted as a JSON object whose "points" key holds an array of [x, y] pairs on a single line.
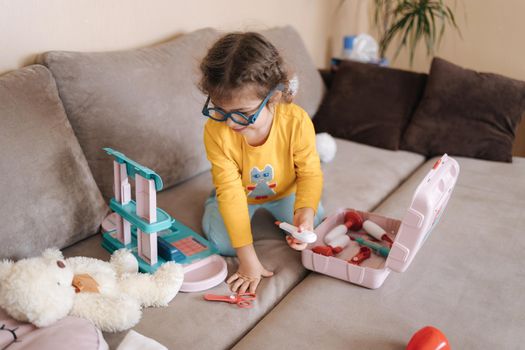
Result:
{"points": [[243, 174]]}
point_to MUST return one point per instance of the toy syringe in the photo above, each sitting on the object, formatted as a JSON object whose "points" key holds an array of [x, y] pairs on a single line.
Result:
{"points": [[303, 236], [383, 251]]}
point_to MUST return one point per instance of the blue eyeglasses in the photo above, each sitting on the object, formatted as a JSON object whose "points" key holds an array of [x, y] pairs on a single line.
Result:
{"points": [[219, 115]]}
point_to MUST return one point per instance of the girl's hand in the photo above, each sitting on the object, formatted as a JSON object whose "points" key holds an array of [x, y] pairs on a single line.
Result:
{"points": [[250, 271], [303, 219], [247, 278]]}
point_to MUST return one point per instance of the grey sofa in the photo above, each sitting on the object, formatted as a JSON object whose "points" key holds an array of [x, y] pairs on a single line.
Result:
{"points": [[467, 280]]}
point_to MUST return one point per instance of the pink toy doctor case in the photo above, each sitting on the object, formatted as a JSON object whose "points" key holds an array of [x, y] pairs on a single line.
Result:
{"points": [[369, 256]]}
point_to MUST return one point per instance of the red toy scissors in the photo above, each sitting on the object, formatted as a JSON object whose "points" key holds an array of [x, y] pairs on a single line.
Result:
{"points": [[243, 300]]}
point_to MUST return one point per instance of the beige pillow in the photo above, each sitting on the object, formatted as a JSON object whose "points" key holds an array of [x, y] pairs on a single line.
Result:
{"points": [[144, 103], [291, 46], [48, 195]]}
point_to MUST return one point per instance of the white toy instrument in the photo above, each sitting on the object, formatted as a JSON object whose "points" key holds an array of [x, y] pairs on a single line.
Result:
{"points": [[303, 236]]}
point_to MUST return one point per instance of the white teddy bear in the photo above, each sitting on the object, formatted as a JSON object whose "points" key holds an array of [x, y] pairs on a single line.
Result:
{"points": [[110, 294]]}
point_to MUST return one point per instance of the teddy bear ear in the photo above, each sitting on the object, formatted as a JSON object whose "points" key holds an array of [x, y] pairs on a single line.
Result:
{"points": [[5, 267], [52, 254]]}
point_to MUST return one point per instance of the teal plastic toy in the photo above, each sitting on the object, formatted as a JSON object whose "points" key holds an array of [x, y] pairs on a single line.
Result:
{"points": [[381, 250], [149, 232]]}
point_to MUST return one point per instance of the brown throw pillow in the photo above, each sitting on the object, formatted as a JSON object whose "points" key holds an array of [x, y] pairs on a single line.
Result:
{"points": [[466, 113], [370, 104]]}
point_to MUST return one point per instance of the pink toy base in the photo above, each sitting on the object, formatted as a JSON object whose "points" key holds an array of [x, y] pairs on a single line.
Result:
{"points": [[199, 276], [371, 273], [204, 274], [110, 222]]}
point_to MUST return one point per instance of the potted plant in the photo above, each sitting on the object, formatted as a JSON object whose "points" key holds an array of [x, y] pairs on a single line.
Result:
{"points": [[411, 21]]}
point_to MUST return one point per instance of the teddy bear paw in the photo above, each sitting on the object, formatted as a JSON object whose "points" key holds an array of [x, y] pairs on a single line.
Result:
{"points": [[124, 261]]}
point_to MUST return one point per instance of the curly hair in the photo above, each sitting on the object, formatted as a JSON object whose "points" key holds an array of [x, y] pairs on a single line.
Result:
{"points": [[239, 59]]}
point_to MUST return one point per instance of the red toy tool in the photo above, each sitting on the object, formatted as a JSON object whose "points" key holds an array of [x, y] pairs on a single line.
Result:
{"points": [[353, 220], [428, 338], [364, 253], [243, 300], [327, 250]]}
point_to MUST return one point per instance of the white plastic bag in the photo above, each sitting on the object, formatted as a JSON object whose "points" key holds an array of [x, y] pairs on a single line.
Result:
{"points": [[365, 49]]}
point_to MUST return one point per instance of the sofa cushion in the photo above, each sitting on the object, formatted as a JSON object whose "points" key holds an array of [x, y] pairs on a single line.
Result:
{"points": [[361, 176], [467, 279], [466, 113], [144, 103], [49, 197], [189, 321], [370, 104], [296, 56]]}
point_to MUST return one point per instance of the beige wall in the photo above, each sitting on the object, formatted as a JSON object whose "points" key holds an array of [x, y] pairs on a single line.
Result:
{"points": [[29, 27], [493, 40], [346, 17], [493, 30]]}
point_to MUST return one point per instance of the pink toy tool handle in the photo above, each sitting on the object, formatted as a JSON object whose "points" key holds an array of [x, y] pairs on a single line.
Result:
{"points": [[226, 298], [243, 300]]}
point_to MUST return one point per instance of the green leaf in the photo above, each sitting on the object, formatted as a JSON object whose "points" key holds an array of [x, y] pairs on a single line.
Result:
{"points": [[413, 21]]}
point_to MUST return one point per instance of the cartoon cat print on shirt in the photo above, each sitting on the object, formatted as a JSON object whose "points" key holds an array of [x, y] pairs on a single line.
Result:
{"points": [[263, 188]]}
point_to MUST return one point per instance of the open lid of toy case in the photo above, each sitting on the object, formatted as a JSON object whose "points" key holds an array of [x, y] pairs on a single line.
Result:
{"points": [[425, 210]]}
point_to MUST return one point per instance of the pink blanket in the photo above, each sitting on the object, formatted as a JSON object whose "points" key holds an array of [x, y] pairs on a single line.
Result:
{"points": [[68, 333]]}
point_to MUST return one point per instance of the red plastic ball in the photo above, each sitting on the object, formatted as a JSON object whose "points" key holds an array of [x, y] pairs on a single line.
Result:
{"points": [[428, 338]]}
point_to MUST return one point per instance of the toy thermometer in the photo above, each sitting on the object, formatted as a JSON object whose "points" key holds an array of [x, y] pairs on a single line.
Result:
{"points": [[379, 249], [303, 236], [376, 231]]}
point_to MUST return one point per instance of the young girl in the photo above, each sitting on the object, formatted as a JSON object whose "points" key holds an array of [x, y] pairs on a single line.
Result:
{"points": [[261, 148]]}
